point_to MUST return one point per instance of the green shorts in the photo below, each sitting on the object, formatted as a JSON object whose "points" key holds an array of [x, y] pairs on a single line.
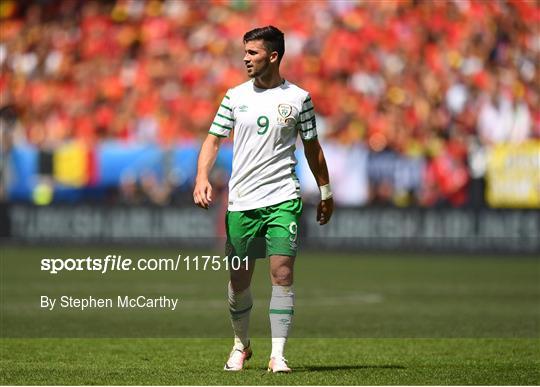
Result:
{"points": [[265, 231]]}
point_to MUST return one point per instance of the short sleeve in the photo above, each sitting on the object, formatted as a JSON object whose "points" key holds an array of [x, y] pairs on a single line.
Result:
{"points": [[224, 120], [307, 126]]}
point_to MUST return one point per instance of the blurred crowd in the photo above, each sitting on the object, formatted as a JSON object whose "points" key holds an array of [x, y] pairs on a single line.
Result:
{"points": [[434, 80]]}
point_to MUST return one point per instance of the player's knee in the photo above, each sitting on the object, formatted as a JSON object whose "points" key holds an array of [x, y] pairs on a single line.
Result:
{"points": [[282, 276]]}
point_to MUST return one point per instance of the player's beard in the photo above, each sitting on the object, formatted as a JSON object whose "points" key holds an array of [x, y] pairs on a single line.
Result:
{"points": [[261, 71]]}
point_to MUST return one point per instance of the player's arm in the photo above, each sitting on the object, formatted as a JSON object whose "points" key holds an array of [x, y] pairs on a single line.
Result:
{"points": [[317, 164], [202, 194], [221, 127]]}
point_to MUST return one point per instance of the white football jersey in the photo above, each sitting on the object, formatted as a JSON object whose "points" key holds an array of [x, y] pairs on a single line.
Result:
{"points": [[266, 123]]}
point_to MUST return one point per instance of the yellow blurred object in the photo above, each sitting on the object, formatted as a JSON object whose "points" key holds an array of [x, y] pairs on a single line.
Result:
{"points": [[42, 194], [414, 148], [119, 13], [401, 199], [513, 175], [358, 128], [454, 59], [153, 8], [70, 164], [7, 8], [519, 90], [434, 147], [396, 95]]}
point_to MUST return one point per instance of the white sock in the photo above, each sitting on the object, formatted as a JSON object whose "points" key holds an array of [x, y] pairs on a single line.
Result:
{"points": [[240, 307], [281, 313]]}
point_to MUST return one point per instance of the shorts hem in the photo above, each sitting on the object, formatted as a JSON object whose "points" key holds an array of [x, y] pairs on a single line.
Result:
{"points": [[288, 254]]}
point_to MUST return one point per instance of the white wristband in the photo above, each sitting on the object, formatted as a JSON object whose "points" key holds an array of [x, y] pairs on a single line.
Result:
{"points": [[326, 191]]}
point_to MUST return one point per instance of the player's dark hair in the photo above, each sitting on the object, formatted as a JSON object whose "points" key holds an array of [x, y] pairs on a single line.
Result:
{"points": [[273, 39]]}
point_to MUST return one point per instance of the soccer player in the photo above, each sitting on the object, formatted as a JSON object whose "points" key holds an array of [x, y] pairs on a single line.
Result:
{"points": [[266, 115]]}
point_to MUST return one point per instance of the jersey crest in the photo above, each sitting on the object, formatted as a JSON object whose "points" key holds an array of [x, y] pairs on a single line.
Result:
{"points": [[286, 114], [284, 110]]}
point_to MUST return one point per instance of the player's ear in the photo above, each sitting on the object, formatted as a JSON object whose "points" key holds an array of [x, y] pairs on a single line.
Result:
{"points": [[274, 57]]}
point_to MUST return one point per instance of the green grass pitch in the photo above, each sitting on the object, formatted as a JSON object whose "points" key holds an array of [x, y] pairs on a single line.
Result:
{"points": [[359, 319]]}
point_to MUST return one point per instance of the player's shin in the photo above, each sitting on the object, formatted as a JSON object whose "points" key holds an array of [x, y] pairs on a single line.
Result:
{"points": [[240, 304], [281, 314]]}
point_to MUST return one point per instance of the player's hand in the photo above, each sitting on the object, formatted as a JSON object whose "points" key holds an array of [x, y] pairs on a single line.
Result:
{"points": [[202, 194], [324, 211]]}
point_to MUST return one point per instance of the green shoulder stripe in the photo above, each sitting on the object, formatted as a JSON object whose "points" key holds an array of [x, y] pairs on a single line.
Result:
{"points": [[226, 96], [309, 119], [222, 126], [227, 118], [308, 110], [226, 107]]}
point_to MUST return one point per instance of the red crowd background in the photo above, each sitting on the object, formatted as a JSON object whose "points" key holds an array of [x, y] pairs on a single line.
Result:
{"points": [[441, 80]]}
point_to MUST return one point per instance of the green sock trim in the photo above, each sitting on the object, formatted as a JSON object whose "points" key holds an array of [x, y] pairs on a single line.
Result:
{"points": [[235, 313], [281, 311]]}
